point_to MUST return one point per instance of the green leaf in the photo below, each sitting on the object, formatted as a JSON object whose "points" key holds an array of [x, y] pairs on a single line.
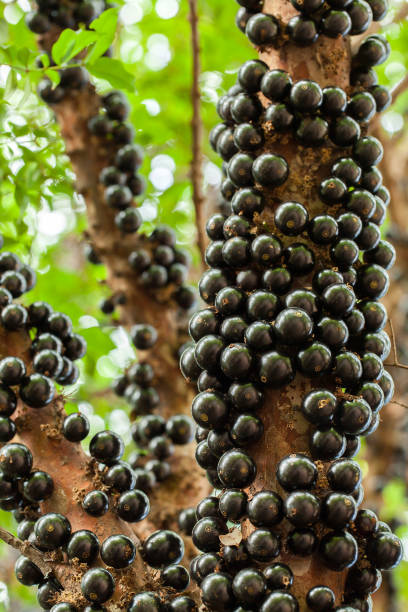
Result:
{"points": [[23, 56], [8, 229], [44, 59], [106, 23], [105, 26], [54, 76], [26, 95], [11, 84], [71, 43], [64, 46], [112, 70]]}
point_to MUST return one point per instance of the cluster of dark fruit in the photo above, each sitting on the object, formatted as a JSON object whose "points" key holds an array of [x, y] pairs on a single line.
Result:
{"points": [[73, 78], [65, 14], [136, 385], [54, 346], [161, 264], [332, 18], [286, 293], [248, 574], [315, 116], [154, 436], [60, 15], [157, 261], [120, 180], [23, 489]]}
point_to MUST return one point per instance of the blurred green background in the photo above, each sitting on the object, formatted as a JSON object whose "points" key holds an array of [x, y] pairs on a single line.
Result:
{"points": [[43, 220]]}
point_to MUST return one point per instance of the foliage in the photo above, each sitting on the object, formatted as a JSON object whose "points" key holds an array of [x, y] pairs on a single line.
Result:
{"points": [[43, 219]]}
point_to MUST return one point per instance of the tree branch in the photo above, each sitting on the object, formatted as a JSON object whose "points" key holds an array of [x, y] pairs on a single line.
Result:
{"points": [[285, 430], [396, 363], [399, 88], [196, 124], [89, 154], [74, 474], [402, 14], [26, 549], [385, 449], [400, 404]]}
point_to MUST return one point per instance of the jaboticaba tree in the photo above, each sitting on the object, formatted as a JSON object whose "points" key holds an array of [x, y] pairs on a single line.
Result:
{"points": [[28, 386], [290, 348], [153, 266]]}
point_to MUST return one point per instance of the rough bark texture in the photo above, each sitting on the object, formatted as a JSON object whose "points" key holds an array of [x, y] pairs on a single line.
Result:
{"points": [[74, 474], [89, 154], [286, 431], [386, 449], [197, 129]]}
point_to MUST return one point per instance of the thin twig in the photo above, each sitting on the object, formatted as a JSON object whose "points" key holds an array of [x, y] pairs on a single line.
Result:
{"points": [[402, 14], [396, 363], [393, 341], [196, 125], [399, 88], [400, 404], [26, 549]]}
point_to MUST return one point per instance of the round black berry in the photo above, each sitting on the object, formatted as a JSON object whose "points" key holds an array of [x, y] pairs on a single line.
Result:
{"points": [[75, 427], [339, 550], [249, 586], [236, 469], [293, 326], [263, 545], [265, 509], [52, 530], [16, 460], [118, 551], [37, 391], [291, 218], [84, 546], [107, 447], [163, 548], [276, 85], [344, 131], [96, 503], [338, 510], [306, 96], [320, 599], [296, 472], [176, 577], [38, 487], [206, 533], [275, 369], [344, 475], [97, 585], [270, 170], [302, 508]]}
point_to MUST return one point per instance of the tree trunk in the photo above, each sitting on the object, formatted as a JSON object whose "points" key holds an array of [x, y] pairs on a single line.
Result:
{"points": [[286, 431], [89, 154]]}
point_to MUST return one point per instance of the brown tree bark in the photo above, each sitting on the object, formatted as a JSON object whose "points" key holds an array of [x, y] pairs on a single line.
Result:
{"points": [[386, 449], [89, 154], [74, 474], [286, 431], [328, 62]]}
